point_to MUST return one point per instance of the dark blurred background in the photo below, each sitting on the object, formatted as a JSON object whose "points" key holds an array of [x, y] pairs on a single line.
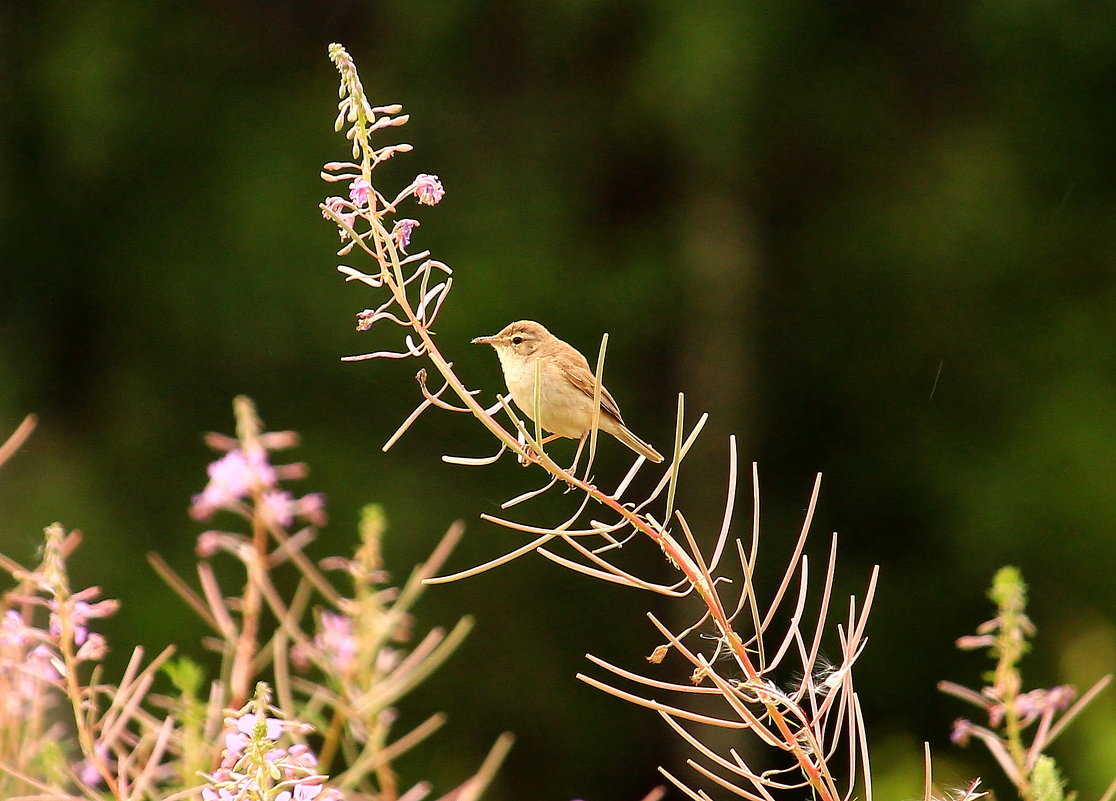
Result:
{"points": [[875, 240]]}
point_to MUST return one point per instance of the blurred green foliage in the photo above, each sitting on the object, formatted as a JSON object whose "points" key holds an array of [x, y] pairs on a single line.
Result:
{"points": [[877, 240]]}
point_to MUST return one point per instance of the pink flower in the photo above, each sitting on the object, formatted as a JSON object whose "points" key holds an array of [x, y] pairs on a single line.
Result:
{"points": [[277, 507], [336, 640], [12, 631], [27, 676], [359, 192], [87, 770], [401, 232], [293, 769], [302, 756], [276, 756], [281, 508], [40, 664], [237, 741], [88, 774], [231, 478], [311, 508], [272, 727], [1034, 704], [338, 205], [81, 612], [962, 728], [302, 792], [428, 189], [93, 649], [225, 780], [1060, 696]]}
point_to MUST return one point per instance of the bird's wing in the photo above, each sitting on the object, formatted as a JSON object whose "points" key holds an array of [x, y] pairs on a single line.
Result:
{"points": [[582, 378]]}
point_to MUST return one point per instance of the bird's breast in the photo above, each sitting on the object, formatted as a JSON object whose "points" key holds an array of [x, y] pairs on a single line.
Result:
{"points": [[565, 409]]}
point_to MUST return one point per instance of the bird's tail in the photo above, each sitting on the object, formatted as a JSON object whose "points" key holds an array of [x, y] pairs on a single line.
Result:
{"points": [[624, 434]]}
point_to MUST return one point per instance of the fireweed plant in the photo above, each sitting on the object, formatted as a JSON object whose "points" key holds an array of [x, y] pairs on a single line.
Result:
{"points": [[769, 680], [337, 656], [815, 721], [1010, 711]]}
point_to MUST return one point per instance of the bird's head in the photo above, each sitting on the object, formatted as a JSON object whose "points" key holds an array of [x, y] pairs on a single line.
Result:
{"points": [[522, 338]]}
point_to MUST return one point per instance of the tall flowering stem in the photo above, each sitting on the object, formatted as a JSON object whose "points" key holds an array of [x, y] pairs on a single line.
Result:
{"points": [[1011, 713], [265, 757], [807, 722], [244, 482], [50, 659], [67, 621], [248, 645], [336, 652]]}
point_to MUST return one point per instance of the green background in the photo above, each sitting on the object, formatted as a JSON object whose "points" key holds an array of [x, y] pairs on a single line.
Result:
{"points": [[875, 240]]}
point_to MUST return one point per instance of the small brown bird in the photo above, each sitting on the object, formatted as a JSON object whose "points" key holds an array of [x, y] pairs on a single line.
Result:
{"points": [[565, 386]]}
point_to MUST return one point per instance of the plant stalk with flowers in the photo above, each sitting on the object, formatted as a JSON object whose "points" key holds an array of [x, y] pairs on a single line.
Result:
{"points": [[354, 665], [816, 721], [339, 660], [255, 764], [1010, 711], [51, 682]]}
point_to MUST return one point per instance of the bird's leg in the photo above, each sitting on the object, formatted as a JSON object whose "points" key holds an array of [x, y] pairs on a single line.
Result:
{"points": [[572, 470], [531, 456], [588, 479], [528, 454]]}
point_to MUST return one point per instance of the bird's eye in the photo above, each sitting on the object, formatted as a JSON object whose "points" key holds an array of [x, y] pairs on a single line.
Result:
{"points": [[517, 340]]}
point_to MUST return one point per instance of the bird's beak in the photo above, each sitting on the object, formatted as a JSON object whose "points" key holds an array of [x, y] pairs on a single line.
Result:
{"points": [[485, 340]]}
